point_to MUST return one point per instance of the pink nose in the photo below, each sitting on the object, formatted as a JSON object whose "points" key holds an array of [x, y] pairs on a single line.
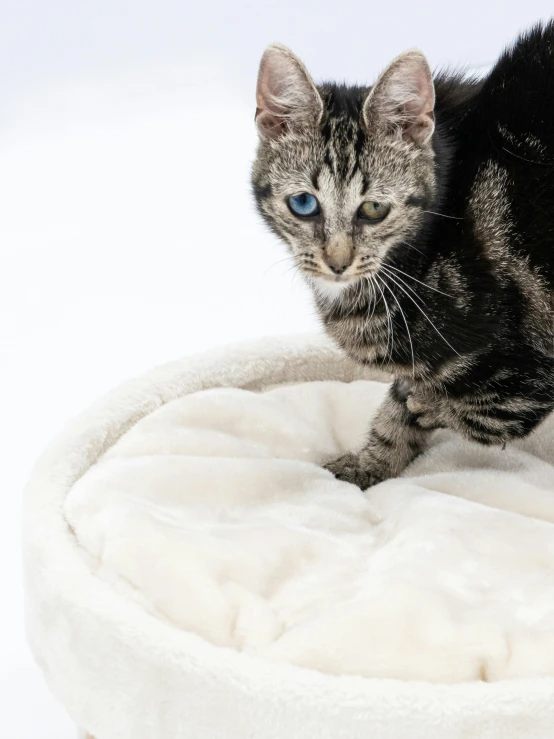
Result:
{"points": [[339, 253]]}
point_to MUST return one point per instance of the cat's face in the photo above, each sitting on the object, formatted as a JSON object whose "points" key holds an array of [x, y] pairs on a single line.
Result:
{"points": [[343, 174]]}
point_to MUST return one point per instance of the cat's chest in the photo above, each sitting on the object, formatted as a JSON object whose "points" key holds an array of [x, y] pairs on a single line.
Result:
{"points": [[371, 336]]}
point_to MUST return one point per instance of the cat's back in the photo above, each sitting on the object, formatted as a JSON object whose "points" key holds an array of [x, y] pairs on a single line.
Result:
{"points": [[515, 105], [509, 140]]}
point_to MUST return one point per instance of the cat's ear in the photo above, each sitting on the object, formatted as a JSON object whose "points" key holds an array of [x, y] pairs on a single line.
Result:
{"points": [[403, 99], [286, 97]]}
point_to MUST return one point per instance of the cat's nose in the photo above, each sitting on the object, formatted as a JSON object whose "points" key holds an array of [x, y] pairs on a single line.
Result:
{"points": [[338, 269], [338, 254]]}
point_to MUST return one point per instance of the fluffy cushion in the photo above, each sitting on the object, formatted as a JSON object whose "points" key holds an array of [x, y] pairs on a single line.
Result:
{"points": [[213, 513]]}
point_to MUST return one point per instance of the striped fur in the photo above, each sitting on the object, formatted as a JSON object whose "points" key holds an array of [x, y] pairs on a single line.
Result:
{"points": [[453, 291]]}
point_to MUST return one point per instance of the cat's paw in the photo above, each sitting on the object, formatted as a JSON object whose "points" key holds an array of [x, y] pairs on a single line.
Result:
{"points": [[351, 468]]}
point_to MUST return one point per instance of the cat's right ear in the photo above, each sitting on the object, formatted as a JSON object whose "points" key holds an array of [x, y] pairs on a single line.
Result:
{"points": [[286, 97]]}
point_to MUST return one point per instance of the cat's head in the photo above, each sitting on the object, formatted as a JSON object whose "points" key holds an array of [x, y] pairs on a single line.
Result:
{"points": [[343, 174]]}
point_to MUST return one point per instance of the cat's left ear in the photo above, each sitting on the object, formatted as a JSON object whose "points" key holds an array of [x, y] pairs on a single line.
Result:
{"points": [[402, 101]]}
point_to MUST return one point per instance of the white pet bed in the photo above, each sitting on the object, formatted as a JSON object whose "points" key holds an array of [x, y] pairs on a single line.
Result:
{"points": [[192, 573]]}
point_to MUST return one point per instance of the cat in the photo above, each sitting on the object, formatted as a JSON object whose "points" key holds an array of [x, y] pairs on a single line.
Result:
{"points": [[421, 212]]}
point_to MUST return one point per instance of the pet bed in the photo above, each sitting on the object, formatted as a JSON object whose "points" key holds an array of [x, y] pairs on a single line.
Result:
{"points": [[192, 571]]}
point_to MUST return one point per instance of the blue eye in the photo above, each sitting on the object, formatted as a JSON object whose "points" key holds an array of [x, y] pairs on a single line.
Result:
{"points": [[303, 204]]}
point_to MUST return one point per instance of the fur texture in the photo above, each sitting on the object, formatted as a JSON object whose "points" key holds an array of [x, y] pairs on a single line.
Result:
{"points": [[452, 291]]}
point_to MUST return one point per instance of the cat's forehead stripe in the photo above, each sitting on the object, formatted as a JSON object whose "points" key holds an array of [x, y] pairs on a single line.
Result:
{"points": [[315, 177], [343, 150], [342, 133]]}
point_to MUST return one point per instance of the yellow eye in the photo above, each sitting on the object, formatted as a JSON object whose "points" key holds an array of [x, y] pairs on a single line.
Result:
{"points": [[372, 211]]}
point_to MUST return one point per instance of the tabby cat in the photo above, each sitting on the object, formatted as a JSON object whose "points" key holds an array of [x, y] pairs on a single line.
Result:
{"points": [[421, 211]]}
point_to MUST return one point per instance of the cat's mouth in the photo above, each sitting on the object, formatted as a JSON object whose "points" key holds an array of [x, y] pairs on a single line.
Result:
{"points": [[348, 277], [332, 287], [338, 279], [328, 280]]}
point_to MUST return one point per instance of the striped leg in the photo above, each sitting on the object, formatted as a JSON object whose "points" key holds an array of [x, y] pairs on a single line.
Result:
{"points": [[395, 439]]}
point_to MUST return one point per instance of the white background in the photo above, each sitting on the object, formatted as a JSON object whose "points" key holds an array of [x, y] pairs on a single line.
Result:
{"points": [[127, 232]]}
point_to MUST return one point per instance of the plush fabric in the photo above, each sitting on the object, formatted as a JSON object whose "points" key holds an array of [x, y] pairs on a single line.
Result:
{"points": [[176, 523]]}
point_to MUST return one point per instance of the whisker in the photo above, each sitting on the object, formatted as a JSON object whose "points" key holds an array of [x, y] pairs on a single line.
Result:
{"points": [[406, 324], [294, 276], [359, 292], [390, 335], [523, 159], [407, 243], [290, 268], [371, 286], [372, 300], [409, 287], [385, 269], [354, 301], [295, 272], [442, 215], [307, 268], [279, 261], [420, 309], [430, 287]]}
